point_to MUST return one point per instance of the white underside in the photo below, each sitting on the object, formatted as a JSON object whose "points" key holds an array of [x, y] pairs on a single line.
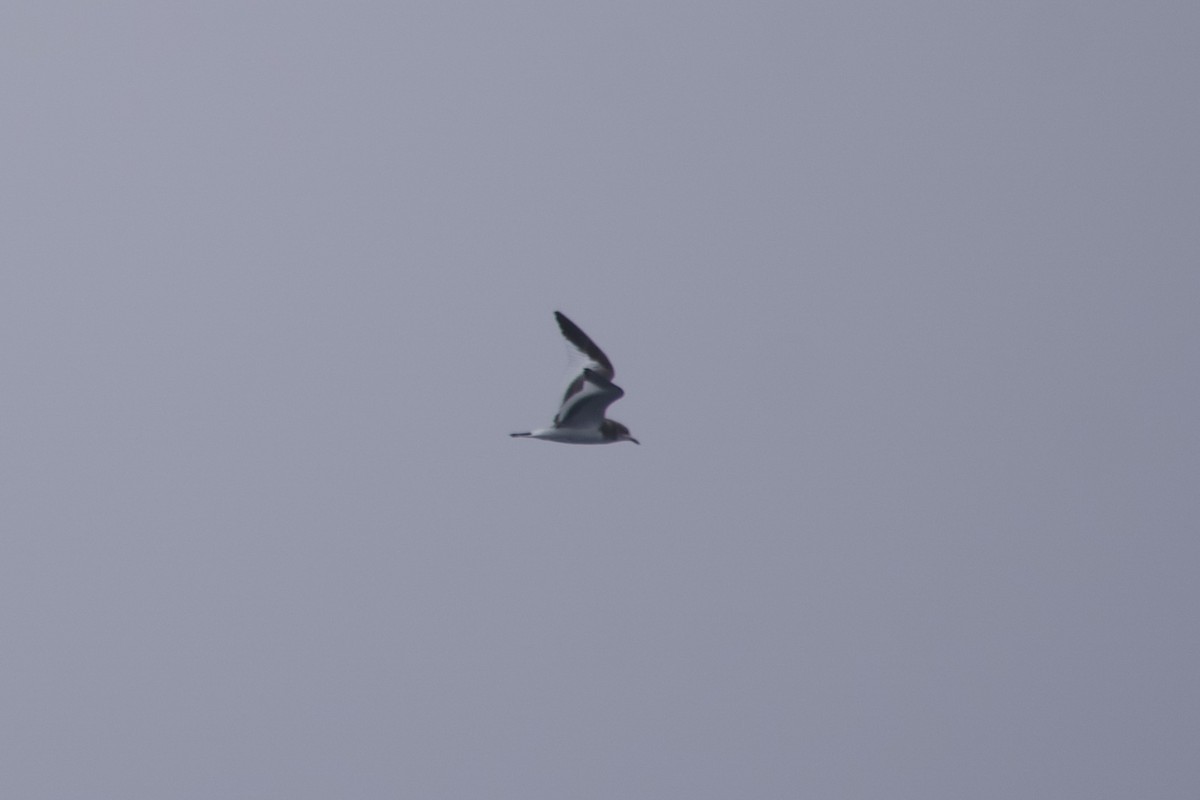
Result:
{"points": [[571, 435]]}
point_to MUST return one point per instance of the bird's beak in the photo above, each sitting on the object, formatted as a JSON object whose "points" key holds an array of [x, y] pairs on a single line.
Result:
{"points": [[635, 441]]}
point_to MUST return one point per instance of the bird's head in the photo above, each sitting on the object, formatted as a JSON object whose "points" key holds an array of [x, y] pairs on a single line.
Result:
{"points": [[620, 432]]}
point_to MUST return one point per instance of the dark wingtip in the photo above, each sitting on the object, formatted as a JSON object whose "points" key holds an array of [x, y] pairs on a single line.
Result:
{"points": [[569, 328], [575, 335]]}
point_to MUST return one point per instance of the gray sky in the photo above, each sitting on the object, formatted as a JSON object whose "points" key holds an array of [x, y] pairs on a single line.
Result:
{"points": [[904, 297]]}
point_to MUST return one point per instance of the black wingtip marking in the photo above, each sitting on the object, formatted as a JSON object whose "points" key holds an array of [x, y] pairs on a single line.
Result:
{"points": [[577, 337]]}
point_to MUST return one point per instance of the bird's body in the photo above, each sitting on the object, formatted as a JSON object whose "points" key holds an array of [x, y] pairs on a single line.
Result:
{"points": [[580, 418], [569, 435]]}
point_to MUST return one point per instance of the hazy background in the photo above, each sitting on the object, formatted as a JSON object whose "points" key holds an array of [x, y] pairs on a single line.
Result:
{"points": [[905, 297]]}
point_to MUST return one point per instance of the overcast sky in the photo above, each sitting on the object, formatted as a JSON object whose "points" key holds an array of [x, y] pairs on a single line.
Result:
{"points": [[905, 299]]}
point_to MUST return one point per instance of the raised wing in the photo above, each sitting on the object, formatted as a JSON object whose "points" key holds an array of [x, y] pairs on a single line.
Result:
{"points": [[585, 408], [597, 361]]}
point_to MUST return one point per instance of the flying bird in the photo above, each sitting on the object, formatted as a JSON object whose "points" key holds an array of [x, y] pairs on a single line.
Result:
{"points": [[580, 418]]}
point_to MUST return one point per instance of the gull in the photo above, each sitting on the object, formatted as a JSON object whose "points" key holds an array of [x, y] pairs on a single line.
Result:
{"points": [[580, 418]]}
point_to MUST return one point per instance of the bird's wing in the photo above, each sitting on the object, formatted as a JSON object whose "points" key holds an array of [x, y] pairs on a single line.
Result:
{"points": [[585, 408], [596, 360]]}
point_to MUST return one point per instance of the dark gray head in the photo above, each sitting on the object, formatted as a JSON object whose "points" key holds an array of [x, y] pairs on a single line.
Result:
{"points": [[616, 432]]}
